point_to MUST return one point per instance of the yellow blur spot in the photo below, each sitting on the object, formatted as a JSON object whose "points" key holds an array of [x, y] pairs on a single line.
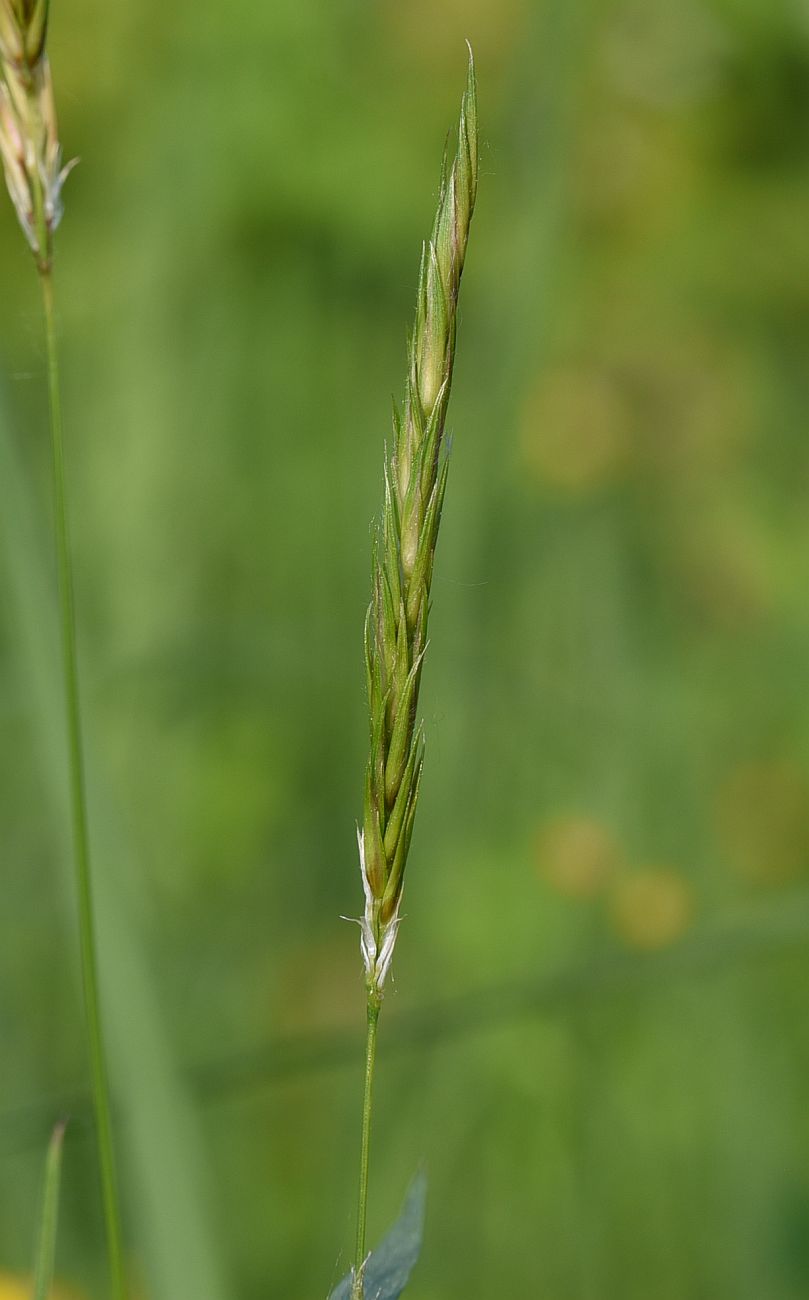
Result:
{"points": [[762, 820], [576, 855], [20, 1288], [13, 1288], [651, 908], [574, 430]]}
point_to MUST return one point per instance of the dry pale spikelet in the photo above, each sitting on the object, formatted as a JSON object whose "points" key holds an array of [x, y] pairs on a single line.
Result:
{"points": [[404, 547], [29, 143]]}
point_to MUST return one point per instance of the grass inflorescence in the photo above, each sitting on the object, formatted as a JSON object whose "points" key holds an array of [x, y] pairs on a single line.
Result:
{"points": [[416, 469]]}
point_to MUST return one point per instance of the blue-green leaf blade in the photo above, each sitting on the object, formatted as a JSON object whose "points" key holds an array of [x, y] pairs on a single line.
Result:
{"points": [[390, 1265]]}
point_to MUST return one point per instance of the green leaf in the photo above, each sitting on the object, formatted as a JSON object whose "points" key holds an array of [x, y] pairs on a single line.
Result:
{"points": [[390, 1265], [46, 1247]]}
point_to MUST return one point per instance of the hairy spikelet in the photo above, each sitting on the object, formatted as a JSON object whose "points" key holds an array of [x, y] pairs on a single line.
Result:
{"points": [[29, 143], [404, 547]]}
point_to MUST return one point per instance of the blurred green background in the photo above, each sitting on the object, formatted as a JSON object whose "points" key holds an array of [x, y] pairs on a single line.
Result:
{"points": [[597, 1039]]}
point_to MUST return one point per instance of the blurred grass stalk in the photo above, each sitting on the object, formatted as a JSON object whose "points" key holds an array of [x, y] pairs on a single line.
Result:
{"points": [[396, 624], [46, 1247], [78, 798], [166, 1157], [31, 154]]}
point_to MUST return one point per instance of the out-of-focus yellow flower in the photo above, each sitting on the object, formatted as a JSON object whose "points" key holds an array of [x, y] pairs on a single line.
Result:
{"points": [[762, 819], [20, 1288], [14, 1288], [574, 430], [576, 855], [651, 908]]}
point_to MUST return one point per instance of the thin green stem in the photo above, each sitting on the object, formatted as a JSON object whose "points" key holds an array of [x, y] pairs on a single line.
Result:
{"points": [[78, 807], [358, 1284]]}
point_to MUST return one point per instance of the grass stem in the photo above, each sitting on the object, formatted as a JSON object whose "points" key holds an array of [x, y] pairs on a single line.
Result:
{"points": [[78, 807], [357, 1288]]}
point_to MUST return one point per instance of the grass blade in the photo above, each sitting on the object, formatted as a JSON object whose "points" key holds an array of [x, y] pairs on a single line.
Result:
{"points": [[46, 1247], [171, 1208]]}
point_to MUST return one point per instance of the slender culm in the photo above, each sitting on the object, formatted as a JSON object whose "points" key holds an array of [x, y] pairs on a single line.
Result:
{"points": [[415, 479], [32, 162]]}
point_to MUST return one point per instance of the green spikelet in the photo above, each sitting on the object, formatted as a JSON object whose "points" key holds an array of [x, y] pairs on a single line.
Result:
{"points": [[396, 626]]}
